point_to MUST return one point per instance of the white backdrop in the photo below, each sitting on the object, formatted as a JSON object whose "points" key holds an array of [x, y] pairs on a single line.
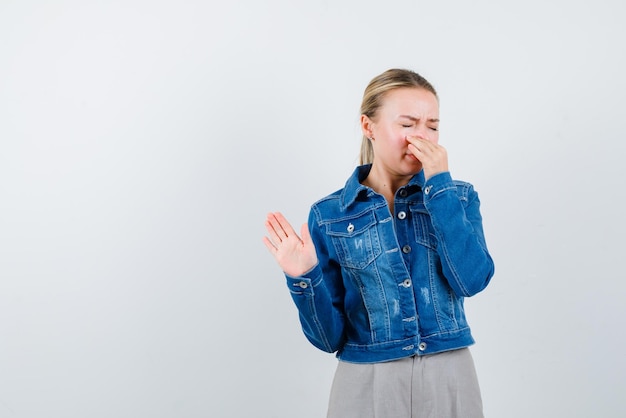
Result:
{"points": [[143, 142]]}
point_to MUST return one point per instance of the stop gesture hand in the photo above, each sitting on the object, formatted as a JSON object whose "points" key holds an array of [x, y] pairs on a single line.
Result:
{"points": [[295, 255]]}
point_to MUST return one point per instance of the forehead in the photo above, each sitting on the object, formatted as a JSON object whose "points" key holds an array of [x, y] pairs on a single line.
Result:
{"points": [[411, 100]]}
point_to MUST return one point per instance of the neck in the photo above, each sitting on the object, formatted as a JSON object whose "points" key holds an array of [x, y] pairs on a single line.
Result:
{"points": [[385, 183]]}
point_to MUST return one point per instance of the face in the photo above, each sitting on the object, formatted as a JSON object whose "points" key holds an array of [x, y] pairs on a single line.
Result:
{"points": [[405, 112]]}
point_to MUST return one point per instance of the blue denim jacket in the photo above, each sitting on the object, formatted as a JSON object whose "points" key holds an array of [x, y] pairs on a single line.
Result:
{"points": [[387, 285]]}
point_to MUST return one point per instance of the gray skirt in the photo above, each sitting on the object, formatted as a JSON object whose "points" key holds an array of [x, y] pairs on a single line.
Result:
{"points": [[440, 385]]}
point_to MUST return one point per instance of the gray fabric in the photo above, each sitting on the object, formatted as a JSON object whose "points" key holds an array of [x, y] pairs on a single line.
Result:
{"points": [[441, 385]]}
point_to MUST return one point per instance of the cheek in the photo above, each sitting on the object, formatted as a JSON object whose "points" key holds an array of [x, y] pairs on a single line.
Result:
{"points": [[401, 142]]}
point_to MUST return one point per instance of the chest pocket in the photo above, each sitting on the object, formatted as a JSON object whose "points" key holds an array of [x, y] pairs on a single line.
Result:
{"points": [[355, 240], [422, 228]]}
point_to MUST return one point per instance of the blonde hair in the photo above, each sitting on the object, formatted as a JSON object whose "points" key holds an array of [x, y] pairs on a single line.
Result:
{"points": [[374, 93]]}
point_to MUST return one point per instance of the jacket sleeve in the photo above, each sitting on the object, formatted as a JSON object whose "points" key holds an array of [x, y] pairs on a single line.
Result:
{"points": [[454, 209], [318, 295]]}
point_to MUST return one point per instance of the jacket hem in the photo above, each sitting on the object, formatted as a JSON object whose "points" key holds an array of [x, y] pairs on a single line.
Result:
{"points": [[395, 350]]}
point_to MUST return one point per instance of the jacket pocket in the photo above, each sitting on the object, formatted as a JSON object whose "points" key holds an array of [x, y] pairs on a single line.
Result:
{"points": [[355, 240], [422, 227]]}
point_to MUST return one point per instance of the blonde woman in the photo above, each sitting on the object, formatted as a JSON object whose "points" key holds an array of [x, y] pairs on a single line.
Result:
{"points": [[380, 272]]}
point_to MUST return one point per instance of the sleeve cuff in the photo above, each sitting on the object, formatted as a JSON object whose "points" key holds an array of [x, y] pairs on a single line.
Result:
{"points": [[438, 183], [304, 283]]}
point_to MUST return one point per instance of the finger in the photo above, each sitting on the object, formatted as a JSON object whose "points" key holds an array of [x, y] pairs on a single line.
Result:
{"points": [[415, 145], [422, 142], [284, 227], [415, 140], [271, 230], [305, 234], [416, 151], [270, 246], [423, 148], [274, 228]]}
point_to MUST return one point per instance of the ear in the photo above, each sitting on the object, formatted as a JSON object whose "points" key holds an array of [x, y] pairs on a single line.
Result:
{"points": [[367, 127]]}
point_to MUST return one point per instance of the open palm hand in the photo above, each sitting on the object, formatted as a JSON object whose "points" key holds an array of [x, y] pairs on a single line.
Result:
{"points": [[295, 255]]}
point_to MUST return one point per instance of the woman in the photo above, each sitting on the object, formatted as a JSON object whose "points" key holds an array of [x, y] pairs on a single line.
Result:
{"points": [[380, 272]]}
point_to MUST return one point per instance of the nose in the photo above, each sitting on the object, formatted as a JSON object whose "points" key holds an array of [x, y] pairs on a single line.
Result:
{"points": [[424, 134]]}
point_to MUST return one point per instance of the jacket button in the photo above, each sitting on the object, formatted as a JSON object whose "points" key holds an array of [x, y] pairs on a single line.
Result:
{"points": [[303, 284], [422, 346], [403, 193], [406, 249], [406, 283], [401, 215], [427, 189]]}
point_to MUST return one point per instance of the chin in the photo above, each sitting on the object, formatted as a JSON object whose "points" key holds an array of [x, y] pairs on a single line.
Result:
{"points": [[414, 164], [411, 169]]}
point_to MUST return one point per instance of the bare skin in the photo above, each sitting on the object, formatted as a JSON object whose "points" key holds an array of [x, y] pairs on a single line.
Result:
{"points": [[294, 255], [404, 135], [405, 138]]}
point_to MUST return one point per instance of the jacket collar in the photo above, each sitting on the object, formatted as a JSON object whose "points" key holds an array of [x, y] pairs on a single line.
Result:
{"points": [[353, 188]]}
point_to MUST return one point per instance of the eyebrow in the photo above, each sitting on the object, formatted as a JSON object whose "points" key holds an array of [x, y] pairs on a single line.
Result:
{"points": [[417, 119]]}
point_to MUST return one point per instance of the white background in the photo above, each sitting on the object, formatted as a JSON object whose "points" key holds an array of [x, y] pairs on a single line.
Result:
{"points": [[143, 142]]}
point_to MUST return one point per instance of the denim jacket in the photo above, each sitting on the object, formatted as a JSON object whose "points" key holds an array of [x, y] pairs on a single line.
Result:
{"points": [[388, 285]]}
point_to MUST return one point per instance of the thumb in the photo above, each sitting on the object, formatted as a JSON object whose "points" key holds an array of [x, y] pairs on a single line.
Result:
{"points": [[306, 236]]}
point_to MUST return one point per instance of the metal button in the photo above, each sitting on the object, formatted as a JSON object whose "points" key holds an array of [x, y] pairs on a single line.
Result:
{"points": [[403, 193], [406, 249], [427, 189], [303, 284], [422, 346], [406, 283], [350, 227], [401, 215]]}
